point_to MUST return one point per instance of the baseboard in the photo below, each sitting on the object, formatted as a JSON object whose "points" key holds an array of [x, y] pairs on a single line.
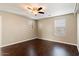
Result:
{"points": [[17, 42], [59, 41], [38, 38]]}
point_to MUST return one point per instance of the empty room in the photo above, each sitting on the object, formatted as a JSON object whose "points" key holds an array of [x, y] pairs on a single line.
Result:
{"points": [[39, 29]]}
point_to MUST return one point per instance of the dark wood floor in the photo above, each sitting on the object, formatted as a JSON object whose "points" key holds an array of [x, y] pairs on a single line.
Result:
{"points": [[38, 47]]}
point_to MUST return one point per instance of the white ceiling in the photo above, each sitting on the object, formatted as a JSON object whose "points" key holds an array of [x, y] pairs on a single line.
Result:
{"points": [[52, 9]]}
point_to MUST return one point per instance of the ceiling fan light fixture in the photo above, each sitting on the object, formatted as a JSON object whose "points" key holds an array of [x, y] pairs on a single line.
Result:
{"points": [[35, 9], [34, 12]]}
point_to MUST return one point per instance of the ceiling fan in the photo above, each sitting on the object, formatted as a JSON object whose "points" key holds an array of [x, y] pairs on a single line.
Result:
{"points": [[39, 10], [36, 9]]}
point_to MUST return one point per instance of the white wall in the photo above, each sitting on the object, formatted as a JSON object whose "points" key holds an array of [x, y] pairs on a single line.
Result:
{"points": [[0, 29], [47, 28], [16, 29], [0, 32], [78, 31]]}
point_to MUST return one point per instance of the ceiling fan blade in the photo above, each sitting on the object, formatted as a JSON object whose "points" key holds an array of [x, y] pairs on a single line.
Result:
{"points": [[39, 8], [29, 8], [41, 12]]}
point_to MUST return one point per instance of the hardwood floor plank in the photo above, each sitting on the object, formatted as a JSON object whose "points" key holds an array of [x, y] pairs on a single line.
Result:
{"points": [[38, 47]]}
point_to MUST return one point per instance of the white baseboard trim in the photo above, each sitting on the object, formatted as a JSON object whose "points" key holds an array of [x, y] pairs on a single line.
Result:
{"points": [[17, 42], [39, 38], [59, 41]]}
